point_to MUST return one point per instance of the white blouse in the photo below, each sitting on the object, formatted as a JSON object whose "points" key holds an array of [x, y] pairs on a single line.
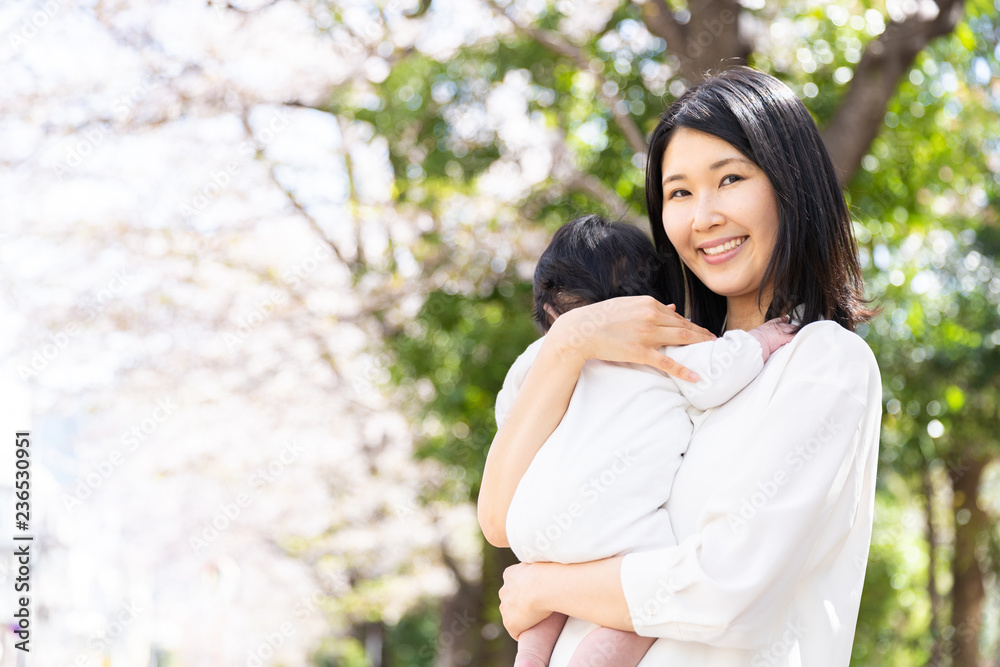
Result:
{"points": [[772, 509]]}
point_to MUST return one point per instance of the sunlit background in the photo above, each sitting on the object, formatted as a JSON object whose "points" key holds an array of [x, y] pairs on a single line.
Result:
{"points": [[264, 267]]}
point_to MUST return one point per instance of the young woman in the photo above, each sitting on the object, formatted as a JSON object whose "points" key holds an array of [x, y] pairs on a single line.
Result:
{"points": [[772, 506]]}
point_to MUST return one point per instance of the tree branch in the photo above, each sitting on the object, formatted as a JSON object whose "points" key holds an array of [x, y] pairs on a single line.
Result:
{"points": [[354, 265], [660, 21], [593, 187], [313, 223], [574, 180], [231, 7], [563, 47], [452, 565], [567, 177], [859, 118]]}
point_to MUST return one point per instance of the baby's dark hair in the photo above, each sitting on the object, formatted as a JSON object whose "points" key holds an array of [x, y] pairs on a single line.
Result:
{"points": [[592, 259]]}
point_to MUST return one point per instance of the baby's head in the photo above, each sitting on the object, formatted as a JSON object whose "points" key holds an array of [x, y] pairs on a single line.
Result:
{"points": [[592, 259]]}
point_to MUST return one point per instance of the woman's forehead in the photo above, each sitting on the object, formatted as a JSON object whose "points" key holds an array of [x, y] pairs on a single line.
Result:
{"points": [[694, 150]]}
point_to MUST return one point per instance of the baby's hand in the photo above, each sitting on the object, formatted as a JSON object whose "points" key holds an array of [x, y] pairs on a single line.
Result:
{"points": [[773, 334]]}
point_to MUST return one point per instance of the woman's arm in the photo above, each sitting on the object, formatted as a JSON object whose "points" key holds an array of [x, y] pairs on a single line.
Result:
{"points": [[630, 329], [591, 591]]}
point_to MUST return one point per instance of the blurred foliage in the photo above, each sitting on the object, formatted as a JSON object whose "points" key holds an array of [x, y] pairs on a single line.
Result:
{"points": [[341, 652], [412, 640], [452, 359], [925, 206]]}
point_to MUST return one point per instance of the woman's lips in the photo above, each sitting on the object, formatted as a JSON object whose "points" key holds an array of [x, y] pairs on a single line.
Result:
{"points": [[723, 252]]}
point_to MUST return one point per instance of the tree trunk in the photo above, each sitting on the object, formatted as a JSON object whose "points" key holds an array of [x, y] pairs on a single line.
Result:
{"points": [[932, 588], [472, 632], [709, 38], [459, 634], [495, 647], [968, 591]]}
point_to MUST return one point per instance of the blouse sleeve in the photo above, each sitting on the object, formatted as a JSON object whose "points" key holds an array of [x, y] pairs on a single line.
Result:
{"points": [[787, 508]]}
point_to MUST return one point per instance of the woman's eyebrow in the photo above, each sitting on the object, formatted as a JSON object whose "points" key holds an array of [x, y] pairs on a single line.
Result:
{"points": [[722, 163], [712, 167]]}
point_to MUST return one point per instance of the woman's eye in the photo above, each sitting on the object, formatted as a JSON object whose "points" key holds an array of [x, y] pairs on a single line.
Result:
{"points": [[731, 178], [678, 193]]}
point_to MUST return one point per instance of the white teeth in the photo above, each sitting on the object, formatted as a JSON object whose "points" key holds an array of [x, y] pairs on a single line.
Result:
{"points": [[723, 247]]}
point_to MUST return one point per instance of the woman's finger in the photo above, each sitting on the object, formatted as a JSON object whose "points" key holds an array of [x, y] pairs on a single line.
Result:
{"points": [[669, 317], [670, 334], [671, 367], [685, 333]]}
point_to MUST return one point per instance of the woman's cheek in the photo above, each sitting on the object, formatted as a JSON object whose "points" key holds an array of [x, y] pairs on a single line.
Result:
{"points": [[675, 233], [679, 237]]}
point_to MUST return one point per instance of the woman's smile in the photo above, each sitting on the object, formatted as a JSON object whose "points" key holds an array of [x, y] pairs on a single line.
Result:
{"points": [[722, 250]]}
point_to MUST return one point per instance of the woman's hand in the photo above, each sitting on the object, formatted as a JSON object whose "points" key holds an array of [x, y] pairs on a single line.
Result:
{"points": [[629, 329], [592, 591], [517, 604]]}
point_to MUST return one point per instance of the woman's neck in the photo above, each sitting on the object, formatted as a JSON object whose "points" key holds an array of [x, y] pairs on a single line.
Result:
{"points": [[744, 313]]}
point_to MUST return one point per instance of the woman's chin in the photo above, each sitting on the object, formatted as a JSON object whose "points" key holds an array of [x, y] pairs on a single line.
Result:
{"points": [[729, 288]]}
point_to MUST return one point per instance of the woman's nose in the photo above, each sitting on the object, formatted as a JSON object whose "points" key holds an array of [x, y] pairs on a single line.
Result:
{"points": [[706, 214]]}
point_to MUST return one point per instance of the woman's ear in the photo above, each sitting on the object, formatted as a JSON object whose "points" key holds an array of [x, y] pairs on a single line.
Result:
{"points": [[551, 313]]}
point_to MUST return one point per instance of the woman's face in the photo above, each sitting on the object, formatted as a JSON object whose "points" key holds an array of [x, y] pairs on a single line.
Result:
{"points": [[719, 211]]}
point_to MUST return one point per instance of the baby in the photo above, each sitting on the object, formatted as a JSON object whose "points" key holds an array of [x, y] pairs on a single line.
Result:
{"points": [[624, 433]]}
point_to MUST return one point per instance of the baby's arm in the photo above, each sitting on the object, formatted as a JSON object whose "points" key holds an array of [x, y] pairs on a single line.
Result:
{"points": [[728, 364], [607, 646], [772, 334], [534, 645]]}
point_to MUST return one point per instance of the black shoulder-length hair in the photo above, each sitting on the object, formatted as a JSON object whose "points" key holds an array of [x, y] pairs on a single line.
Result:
{"points": [[592, 259], [815, 261]]}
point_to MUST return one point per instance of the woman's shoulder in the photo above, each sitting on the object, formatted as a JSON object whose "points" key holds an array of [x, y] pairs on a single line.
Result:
{"points": [[826, 352], [836, 339]]}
